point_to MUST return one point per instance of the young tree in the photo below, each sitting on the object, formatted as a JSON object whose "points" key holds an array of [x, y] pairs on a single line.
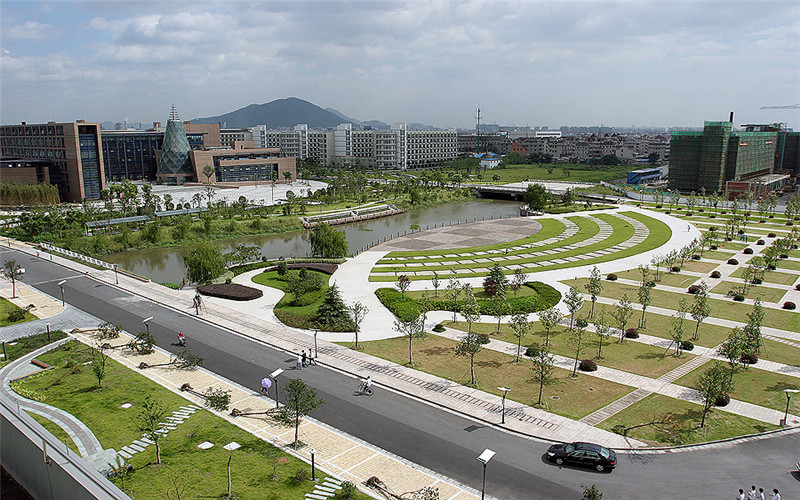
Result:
{"points": [[520, 325], [203, 261], [752, 330], [645, 297], [410, 329], [495, 282], [677, 322], [470, 345], [536, 197], [358, 312], [602, 328], [498, 307], [108, 330], [591, 492], [148, 421], [517, 280], [576, 341], [299, 401], [99, 358], [453, 294], [594, 287], [574, 300], [549, 318], [712, 384], [701, 309], [333, 310], [733, 349], [327, 242], [12, 271], [143, 343], [542, 368], [435, 282], [622, 313], [403, 282]]}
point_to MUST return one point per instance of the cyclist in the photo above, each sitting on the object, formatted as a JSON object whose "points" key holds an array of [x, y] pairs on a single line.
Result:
{"points": [[181, 339], [366, 386]]}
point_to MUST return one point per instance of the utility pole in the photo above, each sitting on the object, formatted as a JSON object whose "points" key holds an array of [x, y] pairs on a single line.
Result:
{"points": [[478, 127]]}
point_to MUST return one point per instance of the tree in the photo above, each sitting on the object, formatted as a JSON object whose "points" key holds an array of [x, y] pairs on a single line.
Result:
{"points": [[733, 349], [701, 309], [409, 328], [495, 282], [542, 367], [148, 421], [517, 280], [498, 307], [453, 294], [594, 287], [591, 492], [536, 197], [403, 282], [576, 340], [603, 330], [99, 358], [12, 271], [203, 261], [332, 311], [549, 318], [470, 345], [677, 322], [287, 176], [713, 384], [358, 312], [327, 242], [299, 401], [108, 330], [574, 300], [435, 282], [143, 343], [520, 325], [622, 313], [752, 330], [208, 171], [644, 293]]}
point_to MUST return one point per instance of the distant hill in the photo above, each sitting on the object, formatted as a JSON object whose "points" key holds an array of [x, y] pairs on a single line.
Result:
{"points": [[281, 113], [376, 124]]}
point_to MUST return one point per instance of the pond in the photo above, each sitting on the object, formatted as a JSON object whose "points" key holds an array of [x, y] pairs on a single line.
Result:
{"points": [[166, 265]]}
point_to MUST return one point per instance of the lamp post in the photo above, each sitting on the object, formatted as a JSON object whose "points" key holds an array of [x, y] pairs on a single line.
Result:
{"points": [[61, 286], [505, 392], [146, 322], [274, 376], [789, 393], [313, 468], [316, 351], [484, 459]]}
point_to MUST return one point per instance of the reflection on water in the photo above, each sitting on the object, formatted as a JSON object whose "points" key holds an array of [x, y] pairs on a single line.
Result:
{"points": [[166, 264]]}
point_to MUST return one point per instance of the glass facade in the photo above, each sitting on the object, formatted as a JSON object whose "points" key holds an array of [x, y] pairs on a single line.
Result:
{"points": [[90, 162], [131, 155], [175, 162]]}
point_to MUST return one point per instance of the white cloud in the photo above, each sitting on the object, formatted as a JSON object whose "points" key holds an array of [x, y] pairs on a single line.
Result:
{"points": [[31, 30]]}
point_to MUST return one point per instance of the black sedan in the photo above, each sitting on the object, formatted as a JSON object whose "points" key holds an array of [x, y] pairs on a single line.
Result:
{"points": [[585, 454]]}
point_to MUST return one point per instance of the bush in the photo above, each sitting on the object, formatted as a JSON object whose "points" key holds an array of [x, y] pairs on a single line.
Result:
{"points": [[688, 214], [723, 212], [300, 475], [757, 281], [401, 306], [715, 274], [587, 365], [348, 490], [771, 267], [16, 314], [659, 206], [668, 212], [749, 359], [675, 269], [695, 257], [233, 291], [632, 333], [789, 305], [483, 338], [789, 223], [748, 251], [771, 235], [797, 286], [532, 350], [760, 242], [722, 400], [738, 297], [281, 267], [687, 346], [439, 328], [693, 289], [713, 247], [783, 256], [733, 262], [712, 216], [611, 277]]}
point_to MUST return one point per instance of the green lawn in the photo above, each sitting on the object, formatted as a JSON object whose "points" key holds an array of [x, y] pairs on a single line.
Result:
{"points": [[570, 397], [718, 254], [772, 277], [576, 173], [781, 353], [668, 279], [697, 266], [7, 308], [202, 473], [685, 429], [22, 346], [791, 265], [300, 316], [765, 293]]}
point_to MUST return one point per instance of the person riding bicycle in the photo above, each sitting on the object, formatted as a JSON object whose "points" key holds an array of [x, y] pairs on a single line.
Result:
{"points": [[367, 384], [181, 339]]}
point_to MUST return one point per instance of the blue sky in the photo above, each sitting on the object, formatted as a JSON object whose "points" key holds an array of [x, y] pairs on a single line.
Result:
{"points": [[524, 62]]}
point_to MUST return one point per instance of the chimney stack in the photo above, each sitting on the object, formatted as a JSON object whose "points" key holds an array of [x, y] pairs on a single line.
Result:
{"points": [[731, 118]]}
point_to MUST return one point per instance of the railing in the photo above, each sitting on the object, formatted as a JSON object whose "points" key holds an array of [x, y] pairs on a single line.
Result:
{"points": [[76, 255]]}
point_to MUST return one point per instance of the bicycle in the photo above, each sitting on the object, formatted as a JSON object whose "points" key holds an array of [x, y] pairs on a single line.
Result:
{"points": [[363, 389]]}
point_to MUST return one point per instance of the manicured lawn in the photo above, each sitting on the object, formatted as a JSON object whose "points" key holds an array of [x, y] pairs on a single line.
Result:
{"points": [[781, 353], [791, 265], [698, 266], [630, 356], [669, 279], [755, 386], [574, 397], [22, 346], [300, 316], [765, 293], [203, 473], [718, 254], [577, 173], [719, 424], [6, 308], [772, 277]]}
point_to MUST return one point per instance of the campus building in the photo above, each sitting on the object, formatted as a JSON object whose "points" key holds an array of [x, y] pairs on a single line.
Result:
{"points": [[72, 152]]}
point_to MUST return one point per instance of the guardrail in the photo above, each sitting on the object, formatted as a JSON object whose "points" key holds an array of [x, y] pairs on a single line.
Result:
{"points": [[76, 255]]}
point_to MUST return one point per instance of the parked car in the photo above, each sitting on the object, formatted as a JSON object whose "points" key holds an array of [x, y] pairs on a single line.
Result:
{"points": [[585, 454]]}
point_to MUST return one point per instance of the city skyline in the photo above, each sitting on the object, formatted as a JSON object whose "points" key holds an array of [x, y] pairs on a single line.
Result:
{"points": [[666, 64]]}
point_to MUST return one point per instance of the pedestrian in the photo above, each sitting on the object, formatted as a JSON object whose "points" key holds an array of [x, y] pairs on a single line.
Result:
{"points": [[266, 383], [304, 358], [688, 228], [311, 360], [741, 494], [751, 495], [299, 365], [776, 495], [761, 494]]}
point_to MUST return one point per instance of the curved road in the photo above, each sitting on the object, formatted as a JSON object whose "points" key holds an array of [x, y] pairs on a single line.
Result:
{"points": [[441, 441]]}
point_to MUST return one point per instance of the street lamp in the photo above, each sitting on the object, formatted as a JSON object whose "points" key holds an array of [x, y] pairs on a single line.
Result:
{"points": [[274, 376], [61, 286], [789, 393], [116, 276], [505, 392], [316, 351], [146, 322], [484, 459], [313, 468]]}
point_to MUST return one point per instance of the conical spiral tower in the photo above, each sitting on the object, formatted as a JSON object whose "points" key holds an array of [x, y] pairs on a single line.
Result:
{"points": [[174, 164]]}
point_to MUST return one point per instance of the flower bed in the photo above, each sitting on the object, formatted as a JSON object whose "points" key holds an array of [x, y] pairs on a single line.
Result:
{"points": [[232, 291]]}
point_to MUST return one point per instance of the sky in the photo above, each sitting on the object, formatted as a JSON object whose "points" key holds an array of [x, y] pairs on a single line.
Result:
{"points": [[523, 63]]}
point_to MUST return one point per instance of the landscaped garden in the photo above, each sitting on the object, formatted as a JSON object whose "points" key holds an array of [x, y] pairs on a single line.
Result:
{"points": [[11, 314]]}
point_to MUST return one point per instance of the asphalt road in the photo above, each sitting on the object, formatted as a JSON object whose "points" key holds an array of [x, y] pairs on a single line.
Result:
{"points": [[426, 435]]}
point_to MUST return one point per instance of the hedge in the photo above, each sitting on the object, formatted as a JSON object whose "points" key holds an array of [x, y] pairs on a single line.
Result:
{"points": [[290, 264], [233, 291]]}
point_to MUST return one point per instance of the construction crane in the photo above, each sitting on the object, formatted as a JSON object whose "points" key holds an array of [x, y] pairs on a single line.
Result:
{"points": [[790, 106]]}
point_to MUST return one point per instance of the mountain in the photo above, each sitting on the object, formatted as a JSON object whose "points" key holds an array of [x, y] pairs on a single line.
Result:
{"points": [[281, 113], [375, 124]]}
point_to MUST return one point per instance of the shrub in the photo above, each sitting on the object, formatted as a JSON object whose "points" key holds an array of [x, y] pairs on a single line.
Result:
{"points": [[675, 269], [348, 490], [713, 247], [771, 267], [300, 475], [783, 256], [723, 212], [587, 365], [771, 235], [748, 251], [483, 338], [757, 281], [611, 277], [439, 328], [689, 214], [695, 257], [632, 333], [722, 400], [687, 345], [733, 262], [797, 286], [659, 206], [789, 223], [760, 242], [715, 274], [281, 267], [668, 212], [712, 216], [789, 305], [532, 350], [701, 209], [16, 314], [771, 216], [749, 359], [233, 291], [693, 289], [738, 297], [403, 307]]}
